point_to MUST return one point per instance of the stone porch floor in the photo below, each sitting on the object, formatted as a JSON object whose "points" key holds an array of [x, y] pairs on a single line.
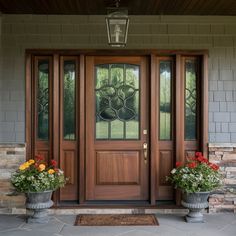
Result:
{"points": [[221, 224]]}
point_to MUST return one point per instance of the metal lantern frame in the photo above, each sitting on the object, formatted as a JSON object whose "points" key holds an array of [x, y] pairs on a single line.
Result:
{"points": [[119, 17]]}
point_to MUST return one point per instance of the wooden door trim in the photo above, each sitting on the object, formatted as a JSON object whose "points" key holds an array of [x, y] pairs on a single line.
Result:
{"points": [[28, 105], [29, 101], [82, 137], [120, 52], [179, 129], [56, 114], [154, 129], [204, 104]]}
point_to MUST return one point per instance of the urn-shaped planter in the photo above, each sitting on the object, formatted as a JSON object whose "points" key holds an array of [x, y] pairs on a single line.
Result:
{"points": [[195, 202], [38, 203]]}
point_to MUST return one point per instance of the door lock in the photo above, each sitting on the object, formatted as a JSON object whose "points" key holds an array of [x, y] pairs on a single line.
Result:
{"points": [[145, 146]]}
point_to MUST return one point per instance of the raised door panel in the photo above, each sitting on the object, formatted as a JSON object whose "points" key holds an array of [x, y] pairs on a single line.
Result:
{"points": [[68, 164], [165, 191], [121, 168]]}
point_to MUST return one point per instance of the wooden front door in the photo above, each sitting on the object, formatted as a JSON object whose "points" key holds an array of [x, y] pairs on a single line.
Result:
{"points": [[117, 156]]}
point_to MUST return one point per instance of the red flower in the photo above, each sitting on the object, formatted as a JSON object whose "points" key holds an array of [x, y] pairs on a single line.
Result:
{"points": [[192, 165], [198, 154], [178, 164], [214, 166], [202, 159], [53, 163]]}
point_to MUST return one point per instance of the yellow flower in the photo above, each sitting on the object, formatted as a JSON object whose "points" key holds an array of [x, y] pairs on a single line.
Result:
{"points": [[51, 171], [22, 167], [42, 167], [31, 161]]}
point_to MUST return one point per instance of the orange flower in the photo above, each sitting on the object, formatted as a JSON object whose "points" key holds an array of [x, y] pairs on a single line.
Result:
{"points": [[51, 171], [41, 167]]}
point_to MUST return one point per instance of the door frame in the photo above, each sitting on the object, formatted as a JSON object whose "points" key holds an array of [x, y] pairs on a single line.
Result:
{"points": [[154, 156]]}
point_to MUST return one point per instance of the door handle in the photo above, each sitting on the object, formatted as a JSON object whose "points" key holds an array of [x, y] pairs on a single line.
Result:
{"points": [[145, 146]]}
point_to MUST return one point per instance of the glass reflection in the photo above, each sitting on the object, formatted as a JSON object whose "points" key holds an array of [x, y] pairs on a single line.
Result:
{"points": [[117, 101]]}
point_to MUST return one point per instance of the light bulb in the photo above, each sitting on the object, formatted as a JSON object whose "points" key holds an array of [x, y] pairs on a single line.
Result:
{"points": [[117, 32]]}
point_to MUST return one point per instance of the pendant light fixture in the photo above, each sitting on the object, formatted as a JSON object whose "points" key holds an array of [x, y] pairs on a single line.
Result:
{"points": [[117, 22]]}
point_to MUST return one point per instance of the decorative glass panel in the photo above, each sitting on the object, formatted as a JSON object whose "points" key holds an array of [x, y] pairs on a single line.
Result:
{"points": [[117, 101], [190, 100], [69, 100], [165, 100], [43, 100]]}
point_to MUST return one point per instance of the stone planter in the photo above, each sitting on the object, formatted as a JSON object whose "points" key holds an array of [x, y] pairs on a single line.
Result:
{"points": [[195, 202], [38, 204]]}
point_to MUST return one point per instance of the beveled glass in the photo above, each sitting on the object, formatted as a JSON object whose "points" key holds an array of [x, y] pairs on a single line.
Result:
{"points": [[190, 100], [117, 101], [43, 100]]}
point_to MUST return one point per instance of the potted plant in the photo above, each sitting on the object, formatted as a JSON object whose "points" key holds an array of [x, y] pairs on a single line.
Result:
{"points": [[196, 179], [38, 180]]}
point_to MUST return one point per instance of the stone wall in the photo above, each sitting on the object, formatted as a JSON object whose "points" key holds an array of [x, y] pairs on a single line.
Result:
{"points": [[225, 198], [11, 155]]}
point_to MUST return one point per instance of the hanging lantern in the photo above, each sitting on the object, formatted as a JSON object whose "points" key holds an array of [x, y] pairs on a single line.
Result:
{"points": [[117, 22]]}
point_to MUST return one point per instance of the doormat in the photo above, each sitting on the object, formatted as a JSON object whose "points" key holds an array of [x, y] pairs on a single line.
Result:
{"points": [[115, 220]]}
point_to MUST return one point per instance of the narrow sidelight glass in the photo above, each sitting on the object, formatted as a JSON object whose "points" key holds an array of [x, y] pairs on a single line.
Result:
{"points": [[165, 106], [43, 100], [190, 99], [69, 100]]}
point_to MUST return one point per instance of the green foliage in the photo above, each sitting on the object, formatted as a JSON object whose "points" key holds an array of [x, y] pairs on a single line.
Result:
{"points": [[197, 175], [35, 176], [69, 105]]}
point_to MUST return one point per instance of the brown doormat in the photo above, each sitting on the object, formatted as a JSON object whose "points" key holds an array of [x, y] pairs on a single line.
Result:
{"points": [[115, 219]]}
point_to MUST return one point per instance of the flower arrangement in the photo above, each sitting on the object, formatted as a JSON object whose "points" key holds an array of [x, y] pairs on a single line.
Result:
{"points": [[196, 175], [36, 176]]}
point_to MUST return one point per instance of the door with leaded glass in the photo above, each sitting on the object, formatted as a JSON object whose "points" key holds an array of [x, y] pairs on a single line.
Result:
{"points": [[117, 143]]}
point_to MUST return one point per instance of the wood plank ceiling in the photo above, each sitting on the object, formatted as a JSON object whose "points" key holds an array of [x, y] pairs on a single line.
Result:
{"points": [[135, 7]]}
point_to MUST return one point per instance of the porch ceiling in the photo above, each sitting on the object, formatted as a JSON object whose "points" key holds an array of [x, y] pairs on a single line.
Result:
{"points": [[135, 7]]}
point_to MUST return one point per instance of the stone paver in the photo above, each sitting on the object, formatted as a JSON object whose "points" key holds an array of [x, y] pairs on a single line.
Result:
{"points": [[170, 225]]}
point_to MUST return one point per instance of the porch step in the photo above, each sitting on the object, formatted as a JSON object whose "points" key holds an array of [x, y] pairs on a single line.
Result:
{"points": [[76, 211]]}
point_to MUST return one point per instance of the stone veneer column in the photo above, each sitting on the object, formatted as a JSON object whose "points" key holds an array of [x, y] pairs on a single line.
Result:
{"points": [[11, 156], [224, 199]]}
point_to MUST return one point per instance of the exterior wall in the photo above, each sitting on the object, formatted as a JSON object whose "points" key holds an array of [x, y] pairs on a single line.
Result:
{"points": [[20, 32], [217, 34], [11, 156], [225, 198]]}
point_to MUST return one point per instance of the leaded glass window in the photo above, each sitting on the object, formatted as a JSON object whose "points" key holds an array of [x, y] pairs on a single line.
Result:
{"points": [[43, 100], [165, 100], [117, 101], [190, 99]]}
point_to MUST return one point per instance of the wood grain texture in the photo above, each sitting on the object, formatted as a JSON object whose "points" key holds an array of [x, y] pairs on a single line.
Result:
{"points": [[78, 155], [114, 167], [165, 157], [28, 106], [69, 148], [135, 7], [97, 167]]}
